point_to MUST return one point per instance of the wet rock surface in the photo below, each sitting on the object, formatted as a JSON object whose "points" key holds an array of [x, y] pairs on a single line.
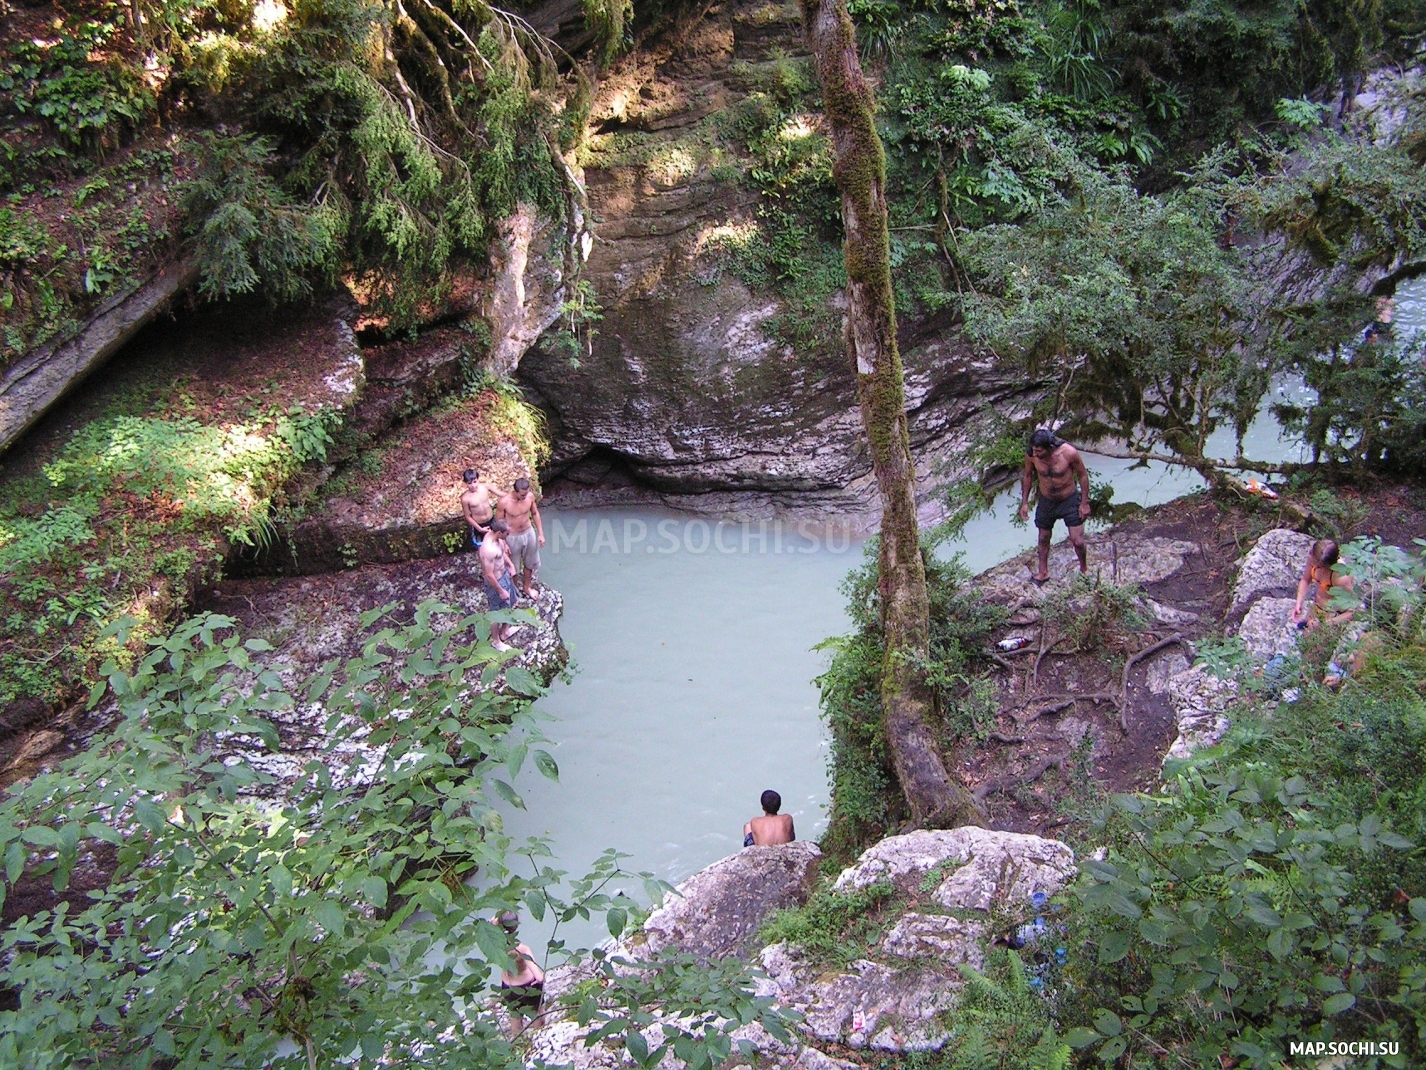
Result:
{"points": [[316, 620]]}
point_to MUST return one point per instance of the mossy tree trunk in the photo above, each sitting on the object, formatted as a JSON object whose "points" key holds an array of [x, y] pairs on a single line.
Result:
{"points": [[936, 798]]}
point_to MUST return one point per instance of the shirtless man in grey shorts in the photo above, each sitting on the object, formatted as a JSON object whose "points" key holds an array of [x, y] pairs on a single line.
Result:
{"points": [[1058, 466], [519, 509]]}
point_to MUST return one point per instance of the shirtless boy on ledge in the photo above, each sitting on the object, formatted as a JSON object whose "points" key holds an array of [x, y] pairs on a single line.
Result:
{"points": [[1059, 466], [772, 827]]}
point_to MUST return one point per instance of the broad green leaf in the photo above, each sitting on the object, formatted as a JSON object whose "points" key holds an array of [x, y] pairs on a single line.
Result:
{"points": [[40, 836], [329, 916], [546, 765], [1114, 947], [1342, 1001], [522, 681], [281, 878], [373, 890], [638, 1047], [506, 792], [1080, 1037]]}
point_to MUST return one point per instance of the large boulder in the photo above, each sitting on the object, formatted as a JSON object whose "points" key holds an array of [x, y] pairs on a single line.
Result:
{"points": [[717, 911], [1200, 701], [971, 867], [902, 995], [868, 1004], [1272, 567], [1114, 558], [1267, 629], [898, 997]]}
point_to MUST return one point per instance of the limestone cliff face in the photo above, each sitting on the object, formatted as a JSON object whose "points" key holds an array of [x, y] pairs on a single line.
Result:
{"points": [[683, 386]]}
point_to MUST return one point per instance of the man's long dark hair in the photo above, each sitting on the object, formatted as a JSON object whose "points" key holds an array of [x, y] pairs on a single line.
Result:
{"points": [[1045, 439]]}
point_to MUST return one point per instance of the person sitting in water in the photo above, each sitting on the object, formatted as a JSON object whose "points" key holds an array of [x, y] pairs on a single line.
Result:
{"points": [[772, 827], [476, 506], [1320, 575], [523, 989]]}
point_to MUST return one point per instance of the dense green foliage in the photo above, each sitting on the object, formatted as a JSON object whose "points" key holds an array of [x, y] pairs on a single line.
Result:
{"points": [[336, 916], [356, 138], [133, 512], [865, 800], [1276, 890]]}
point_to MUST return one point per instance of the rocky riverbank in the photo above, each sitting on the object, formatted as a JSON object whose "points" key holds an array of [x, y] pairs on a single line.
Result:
{"points": [[944, 898]]}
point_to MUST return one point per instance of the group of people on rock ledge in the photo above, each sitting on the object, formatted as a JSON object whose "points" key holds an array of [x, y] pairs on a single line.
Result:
{"points": [[507, 532]]}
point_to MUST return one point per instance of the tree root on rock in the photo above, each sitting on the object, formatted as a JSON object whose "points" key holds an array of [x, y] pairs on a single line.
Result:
{"points": [[1003, 783], [1123, 700]]}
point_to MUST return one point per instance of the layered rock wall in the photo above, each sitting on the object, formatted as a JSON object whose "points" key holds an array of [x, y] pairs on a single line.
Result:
{"points": [[683, 388]]}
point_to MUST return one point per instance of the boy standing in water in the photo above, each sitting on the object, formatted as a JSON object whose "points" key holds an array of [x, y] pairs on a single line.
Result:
{"points": [[772, 827]]}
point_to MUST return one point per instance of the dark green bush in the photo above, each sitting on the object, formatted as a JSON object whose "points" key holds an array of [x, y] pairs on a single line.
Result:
{"points": [[1277, 890], [866, 803]]}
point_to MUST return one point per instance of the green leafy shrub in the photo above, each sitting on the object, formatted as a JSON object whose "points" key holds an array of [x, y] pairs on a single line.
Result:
{"points": [[1276, 891], [247, 230], [1004, 1021], [834, 927], [865, 801], [329, 920], [132, 500], [90, 104]]}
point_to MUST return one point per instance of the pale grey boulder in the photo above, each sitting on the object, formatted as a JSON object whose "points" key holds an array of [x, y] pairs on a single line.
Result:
{"points": [[717, 911], [1268, 629], [977, 866], [950, 940], [1200, 700], [898, 998], [1114, 559], [866, 1005], [1272, 567]]}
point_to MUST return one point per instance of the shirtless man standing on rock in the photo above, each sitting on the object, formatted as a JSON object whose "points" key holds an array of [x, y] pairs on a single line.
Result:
{"points": [[518, 509], [1058, 465], [475, 504]]}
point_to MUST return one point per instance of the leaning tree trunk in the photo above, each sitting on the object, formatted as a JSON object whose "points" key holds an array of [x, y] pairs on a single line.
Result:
{"points": [[936, 799]]}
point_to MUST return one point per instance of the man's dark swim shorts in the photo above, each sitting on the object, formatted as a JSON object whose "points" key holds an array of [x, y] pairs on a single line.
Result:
{"points": [[1048, 510], [504, 598], [523, 997]]}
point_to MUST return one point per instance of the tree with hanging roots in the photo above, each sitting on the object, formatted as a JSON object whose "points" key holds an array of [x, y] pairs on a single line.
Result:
{"points": [[935, 797]]}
